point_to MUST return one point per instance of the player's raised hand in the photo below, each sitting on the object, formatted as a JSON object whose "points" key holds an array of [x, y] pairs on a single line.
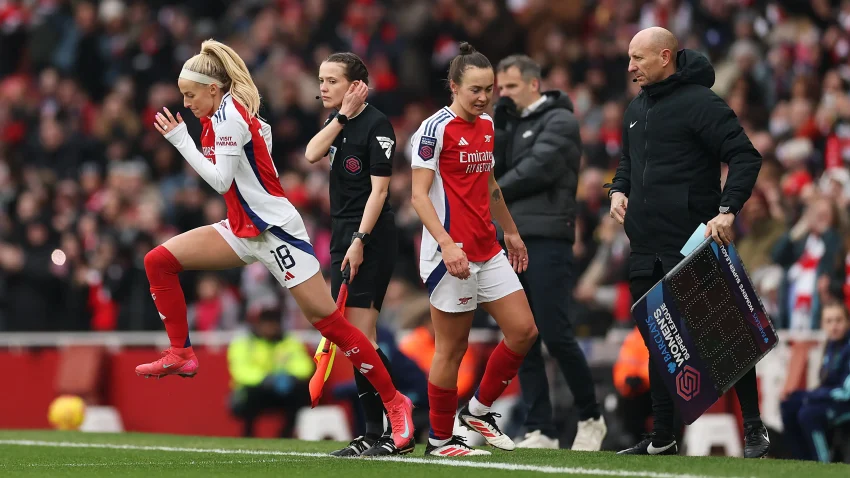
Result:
{"points": [[456, 262], [165, 122], [517, 253]]}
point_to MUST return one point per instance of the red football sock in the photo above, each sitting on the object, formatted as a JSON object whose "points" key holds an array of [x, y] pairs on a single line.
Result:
{"points": [[162, 268], [359, 351], [500, 370], [443, 405]]}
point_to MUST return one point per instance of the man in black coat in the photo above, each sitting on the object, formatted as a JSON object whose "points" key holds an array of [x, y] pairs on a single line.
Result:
{"points": [[537, 151], [676, 132]]}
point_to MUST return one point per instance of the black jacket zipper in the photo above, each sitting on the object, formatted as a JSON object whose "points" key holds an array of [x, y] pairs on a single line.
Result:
{"points": [[646, 158], [645, 148]]}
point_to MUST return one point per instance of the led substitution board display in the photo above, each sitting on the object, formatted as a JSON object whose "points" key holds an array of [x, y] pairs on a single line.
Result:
{"points": [[704, 326]]}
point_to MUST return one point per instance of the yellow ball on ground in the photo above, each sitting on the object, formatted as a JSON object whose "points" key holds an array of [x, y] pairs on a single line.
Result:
{"points": [[67, 412]]}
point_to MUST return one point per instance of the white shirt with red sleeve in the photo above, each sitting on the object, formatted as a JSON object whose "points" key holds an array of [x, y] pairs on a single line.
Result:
{"points": [[236, 161]]}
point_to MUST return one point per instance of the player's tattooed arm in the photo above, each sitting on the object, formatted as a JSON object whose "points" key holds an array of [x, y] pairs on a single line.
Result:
{"points": [[496, 194], [498, 208]]}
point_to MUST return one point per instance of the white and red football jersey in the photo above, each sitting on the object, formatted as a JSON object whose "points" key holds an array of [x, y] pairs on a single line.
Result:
{"points": [[255, 200], [461, 155]]}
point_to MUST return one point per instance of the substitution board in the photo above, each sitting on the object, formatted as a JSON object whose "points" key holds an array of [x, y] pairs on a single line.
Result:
{"points": [[705, 327]]}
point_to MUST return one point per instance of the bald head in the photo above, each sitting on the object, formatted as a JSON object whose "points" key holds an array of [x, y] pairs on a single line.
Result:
{"points": [[658, 39], [652, 55]]}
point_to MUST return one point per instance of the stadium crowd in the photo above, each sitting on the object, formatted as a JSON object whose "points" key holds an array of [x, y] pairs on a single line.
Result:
{"points": [[88, 186]]}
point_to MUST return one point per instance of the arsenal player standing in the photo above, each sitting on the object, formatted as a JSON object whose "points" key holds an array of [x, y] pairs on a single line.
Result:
{"points": [[461, 262]]}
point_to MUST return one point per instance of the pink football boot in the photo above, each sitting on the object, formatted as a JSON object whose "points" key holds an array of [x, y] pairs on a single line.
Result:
{"points": [[174, 361]]}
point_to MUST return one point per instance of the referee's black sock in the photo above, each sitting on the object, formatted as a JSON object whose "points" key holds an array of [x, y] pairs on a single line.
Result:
{"points": [[748, 396], [373, 408]]}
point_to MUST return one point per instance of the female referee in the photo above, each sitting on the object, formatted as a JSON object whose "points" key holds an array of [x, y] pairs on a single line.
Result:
{"points": [[461, 262], [359, 141], [261, 225]]}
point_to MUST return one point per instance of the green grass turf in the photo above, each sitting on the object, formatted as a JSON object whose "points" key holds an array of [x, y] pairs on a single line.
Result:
{"points": [[279, 458]]}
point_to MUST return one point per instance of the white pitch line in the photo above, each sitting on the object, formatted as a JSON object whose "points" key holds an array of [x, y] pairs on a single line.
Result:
{"points": [[422, 461], [147, 463]]}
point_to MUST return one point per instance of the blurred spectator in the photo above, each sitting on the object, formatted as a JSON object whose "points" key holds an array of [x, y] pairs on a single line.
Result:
{"points": [[808, 252], [809, 415], [270, 371], [604, 284], [217, 307], [631, 378]]}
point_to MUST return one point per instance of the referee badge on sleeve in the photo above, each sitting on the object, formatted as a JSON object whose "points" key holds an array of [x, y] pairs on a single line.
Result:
{"points": [[426, 147], [332, 153]]}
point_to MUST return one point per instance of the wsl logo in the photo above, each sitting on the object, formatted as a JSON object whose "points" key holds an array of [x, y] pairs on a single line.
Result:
{"points": [[687, 383], [353, 165]]}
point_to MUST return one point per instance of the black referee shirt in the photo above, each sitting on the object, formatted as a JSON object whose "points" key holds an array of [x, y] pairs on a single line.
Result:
{"points": [[363, 148]]}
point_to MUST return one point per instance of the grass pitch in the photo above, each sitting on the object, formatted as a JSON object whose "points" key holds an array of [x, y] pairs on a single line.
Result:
{"points": [[75, 454]]}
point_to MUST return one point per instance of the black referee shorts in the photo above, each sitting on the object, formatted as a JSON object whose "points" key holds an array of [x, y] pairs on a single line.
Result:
{"points": [[379, 257]]}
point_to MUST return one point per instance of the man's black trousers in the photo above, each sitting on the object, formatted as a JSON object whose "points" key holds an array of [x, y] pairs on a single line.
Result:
{"points": [[249, 403], [548, 283], [662, 402]]}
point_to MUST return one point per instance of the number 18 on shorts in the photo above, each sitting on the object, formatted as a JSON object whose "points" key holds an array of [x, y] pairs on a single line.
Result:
{"points": [[285, 251]]}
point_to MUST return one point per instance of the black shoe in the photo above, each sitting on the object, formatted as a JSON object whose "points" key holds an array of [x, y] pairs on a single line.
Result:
{"points": [[756, 441], [355, 448], [487, 427], [652, 446], [386, 447]]}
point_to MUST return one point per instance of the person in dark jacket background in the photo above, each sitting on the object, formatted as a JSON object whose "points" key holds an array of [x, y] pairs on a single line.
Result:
{"points": [[807, 415], [676, 134], [537, 151]]}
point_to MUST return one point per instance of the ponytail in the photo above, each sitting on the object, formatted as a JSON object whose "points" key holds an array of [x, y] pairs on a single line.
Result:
{"points": [[222, 63], [468, 57]]}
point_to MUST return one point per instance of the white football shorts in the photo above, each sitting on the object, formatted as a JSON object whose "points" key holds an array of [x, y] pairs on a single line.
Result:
{"points": [[284, 250], [488, 281]]}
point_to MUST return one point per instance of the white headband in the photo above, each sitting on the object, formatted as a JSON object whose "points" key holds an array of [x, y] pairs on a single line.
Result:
{"points": [[200, 78]]}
